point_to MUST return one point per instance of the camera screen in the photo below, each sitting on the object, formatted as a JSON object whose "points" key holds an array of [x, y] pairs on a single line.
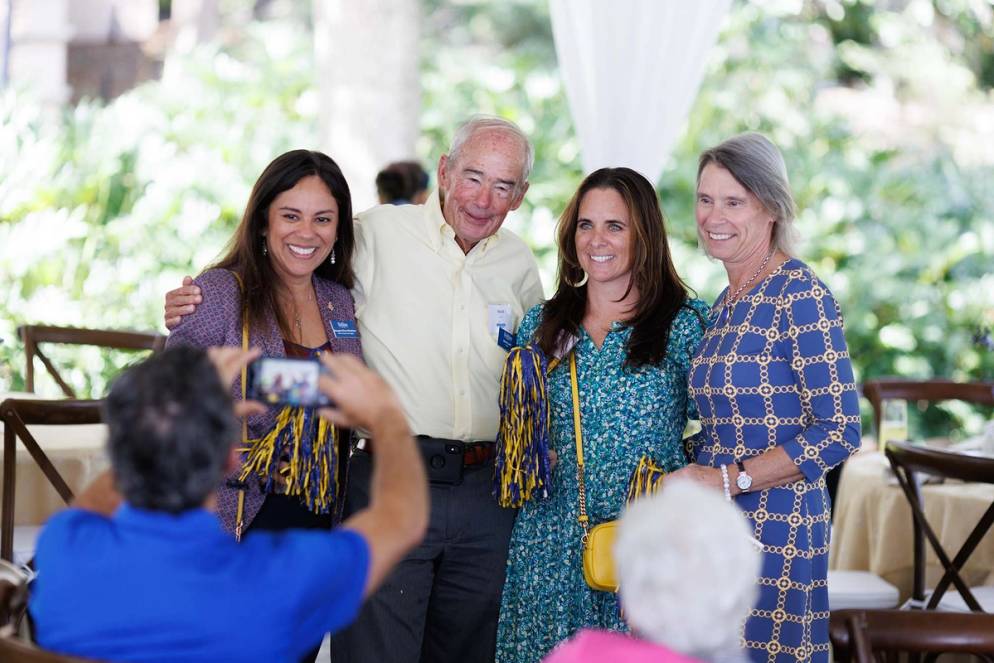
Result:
{"points": [[277, 381]]}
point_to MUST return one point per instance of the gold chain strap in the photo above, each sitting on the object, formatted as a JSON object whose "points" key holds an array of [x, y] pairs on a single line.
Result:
{"points": [[581, 484]]}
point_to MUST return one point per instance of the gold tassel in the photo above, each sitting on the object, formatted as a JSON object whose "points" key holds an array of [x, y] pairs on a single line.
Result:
{"points": [[646, 480]]}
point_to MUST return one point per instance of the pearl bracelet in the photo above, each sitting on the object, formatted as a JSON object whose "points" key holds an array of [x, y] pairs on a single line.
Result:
{"points": [[725, 484]]}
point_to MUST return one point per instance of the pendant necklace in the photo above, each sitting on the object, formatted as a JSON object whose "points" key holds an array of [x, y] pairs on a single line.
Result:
{"points": [[298, 321], [735, 295]]}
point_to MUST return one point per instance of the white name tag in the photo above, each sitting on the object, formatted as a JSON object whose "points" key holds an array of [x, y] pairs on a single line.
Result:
{"points": [[499, 316]]}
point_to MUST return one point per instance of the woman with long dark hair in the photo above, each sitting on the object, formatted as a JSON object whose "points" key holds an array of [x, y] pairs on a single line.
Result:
{"points": [[283, 285], [623, 312]]}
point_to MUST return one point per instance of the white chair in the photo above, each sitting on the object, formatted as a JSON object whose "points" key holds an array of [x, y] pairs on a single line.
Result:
{"points": [[952, 601], [860, 590], [25, 538]]}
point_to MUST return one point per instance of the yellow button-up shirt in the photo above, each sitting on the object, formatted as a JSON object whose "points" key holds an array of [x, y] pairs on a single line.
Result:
{"points": [[427, 314]]}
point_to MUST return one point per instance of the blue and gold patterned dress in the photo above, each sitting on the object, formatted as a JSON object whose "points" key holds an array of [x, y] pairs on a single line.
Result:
{"points": [[625, 414], [775, 371]]}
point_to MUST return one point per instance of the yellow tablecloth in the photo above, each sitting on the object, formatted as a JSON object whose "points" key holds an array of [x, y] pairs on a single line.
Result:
{"points": [[872, 528], [77, 453]]}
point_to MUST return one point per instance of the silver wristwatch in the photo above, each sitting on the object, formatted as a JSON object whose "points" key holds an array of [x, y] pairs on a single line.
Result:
{"points": [[743, 480]]}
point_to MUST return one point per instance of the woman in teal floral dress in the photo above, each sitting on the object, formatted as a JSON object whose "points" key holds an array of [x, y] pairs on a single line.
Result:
{"points": [[626, 314]]}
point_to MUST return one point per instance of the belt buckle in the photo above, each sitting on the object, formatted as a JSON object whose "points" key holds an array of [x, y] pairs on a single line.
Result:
{"points": [[478, 452]]}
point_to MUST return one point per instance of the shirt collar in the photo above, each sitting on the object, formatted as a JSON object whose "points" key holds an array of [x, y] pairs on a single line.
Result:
{"points": [[440, 234], [184, 522]]}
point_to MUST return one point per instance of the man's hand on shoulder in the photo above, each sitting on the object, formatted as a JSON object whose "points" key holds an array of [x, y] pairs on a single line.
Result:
{"points": [[181, 301]]}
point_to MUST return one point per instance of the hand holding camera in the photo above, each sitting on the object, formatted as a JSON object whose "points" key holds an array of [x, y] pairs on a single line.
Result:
{"points": [[279, 381]]}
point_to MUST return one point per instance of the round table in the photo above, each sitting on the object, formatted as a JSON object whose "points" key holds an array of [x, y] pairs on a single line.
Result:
{"points": [[872, 528]]}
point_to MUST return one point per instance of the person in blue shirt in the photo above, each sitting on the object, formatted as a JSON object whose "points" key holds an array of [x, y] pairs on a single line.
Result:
{"points": [[140, 569]]}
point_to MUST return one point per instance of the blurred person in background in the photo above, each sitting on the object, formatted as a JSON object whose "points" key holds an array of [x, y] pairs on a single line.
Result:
{"points": [[687, 579], [402, 183]]}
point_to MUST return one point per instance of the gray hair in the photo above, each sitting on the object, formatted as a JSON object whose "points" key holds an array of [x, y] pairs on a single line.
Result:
{"points": [[756, 163], [170, 428], [687, 570], [488, 123]]}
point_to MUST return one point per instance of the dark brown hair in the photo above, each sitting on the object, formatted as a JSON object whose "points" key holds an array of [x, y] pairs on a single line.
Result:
{"points": [[661, 291], [244, 254]]}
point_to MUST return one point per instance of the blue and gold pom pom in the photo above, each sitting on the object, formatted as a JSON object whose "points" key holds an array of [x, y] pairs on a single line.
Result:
{"points": [[646, 479], [308, 441], [522, 470]]}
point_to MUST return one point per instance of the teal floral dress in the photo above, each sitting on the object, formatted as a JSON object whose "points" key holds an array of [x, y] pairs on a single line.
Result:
{"points": [[625, 414]]}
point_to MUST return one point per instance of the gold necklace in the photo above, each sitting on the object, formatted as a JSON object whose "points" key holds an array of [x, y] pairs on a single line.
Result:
{"points": [[297, 319], [300, 327], [762, 266]]}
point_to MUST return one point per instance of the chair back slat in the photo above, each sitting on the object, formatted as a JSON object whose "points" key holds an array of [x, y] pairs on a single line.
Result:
{"points": [[964, 467], [910, 632], [878, 391], [12, 649], [32, 335]]}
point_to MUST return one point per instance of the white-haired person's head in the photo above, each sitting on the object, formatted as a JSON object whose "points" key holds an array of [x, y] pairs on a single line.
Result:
{"points": [[687, 570]]}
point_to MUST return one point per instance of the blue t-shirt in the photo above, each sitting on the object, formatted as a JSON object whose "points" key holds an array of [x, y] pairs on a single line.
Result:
{"points": [[152, 586]]}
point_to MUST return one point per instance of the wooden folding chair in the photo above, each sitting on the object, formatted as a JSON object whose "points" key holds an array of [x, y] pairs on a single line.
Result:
{"points": [[907, 460], [12, 649], [878, 391], [17, 415], [32, 335], [867, 636]]}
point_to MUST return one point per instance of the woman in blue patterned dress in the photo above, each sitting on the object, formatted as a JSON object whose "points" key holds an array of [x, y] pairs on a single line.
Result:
{"points": [[624, 311], [774, 387]]}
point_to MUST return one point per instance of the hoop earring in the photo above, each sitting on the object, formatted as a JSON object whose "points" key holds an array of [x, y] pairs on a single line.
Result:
{"points": [[582, 282]]}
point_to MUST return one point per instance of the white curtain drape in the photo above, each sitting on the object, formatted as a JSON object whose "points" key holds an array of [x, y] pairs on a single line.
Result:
{"points": [[631, 70]]}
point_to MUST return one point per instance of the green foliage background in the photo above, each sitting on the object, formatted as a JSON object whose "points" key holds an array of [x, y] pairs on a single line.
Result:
{"points": [[878, 111]]}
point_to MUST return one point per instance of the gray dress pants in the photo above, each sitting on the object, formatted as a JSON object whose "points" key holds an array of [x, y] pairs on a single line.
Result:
{"points": [[440, 604]]}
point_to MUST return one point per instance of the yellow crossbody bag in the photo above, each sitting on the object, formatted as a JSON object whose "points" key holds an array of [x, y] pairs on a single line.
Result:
{"points": [[598, 541]]}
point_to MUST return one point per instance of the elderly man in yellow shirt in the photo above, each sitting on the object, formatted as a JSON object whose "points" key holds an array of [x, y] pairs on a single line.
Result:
{"points": [[435, 284]]}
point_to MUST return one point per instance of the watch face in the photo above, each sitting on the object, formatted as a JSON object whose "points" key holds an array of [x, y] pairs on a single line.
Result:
{"points": [[743, 481]]}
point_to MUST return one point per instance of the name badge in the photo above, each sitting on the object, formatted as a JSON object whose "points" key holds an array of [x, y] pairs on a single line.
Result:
{"points": [[499, 316], [506, 339], [344, 329]]}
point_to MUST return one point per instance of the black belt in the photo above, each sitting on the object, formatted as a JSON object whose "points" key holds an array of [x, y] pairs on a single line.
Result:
{"points": [[477, 452]]}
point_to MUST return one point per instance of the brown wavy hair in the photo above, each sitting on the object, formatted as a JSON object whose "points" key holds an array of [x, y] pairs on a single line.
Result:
{"points": [[661, 291], [243, 256]]}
